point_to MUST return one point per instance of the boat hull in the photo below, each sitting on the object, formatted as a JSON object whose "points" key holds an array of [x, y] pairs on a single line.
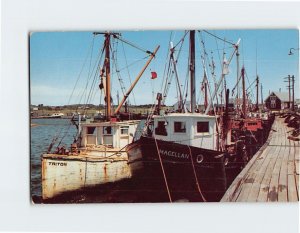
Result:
{"points": [[183, 166], [62, 174]]}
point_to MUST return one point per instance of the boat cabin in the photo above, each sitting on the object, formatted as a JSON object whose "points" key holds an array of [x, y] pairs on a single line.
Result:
{"points": [[191, 129], [110, 134]]}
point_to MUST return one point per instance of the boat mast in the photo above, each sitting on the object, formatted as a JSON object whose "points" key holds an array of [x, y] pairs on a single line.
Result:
{"points": [[257, 80], [192, 70], [222, 77], [107, 72], [205, 91], [244, 92], [261, 96], [237, 77], [257, 90]]}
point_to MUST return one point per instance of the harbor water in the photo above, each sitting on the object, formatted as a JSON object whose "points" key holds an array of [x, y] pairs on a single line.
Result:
{"points": [[43, 131]]}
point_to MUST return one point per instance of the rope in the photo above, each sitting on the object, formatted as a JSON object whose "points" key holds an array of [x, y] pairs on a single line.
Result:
{"points": [[196, 178], [126, 63], [162, 168], [134, 46], [165, 67], [219, 38]]}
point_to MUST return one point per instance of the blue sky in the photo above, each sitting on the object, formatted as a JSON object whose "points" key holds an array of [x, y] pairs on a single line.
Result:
{"points": [[57, 59]]}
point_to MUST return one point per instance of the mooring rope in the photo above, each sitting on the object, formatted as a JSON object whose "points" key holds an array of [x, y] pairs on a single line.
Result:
{"points": [[196, 178], [163, 170]]}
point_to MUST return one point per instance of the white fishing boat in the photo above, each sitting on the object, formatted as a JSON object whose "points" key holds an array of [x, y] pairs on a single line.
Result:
{"points": [[97, 158], [98, 154], [56, 115]]}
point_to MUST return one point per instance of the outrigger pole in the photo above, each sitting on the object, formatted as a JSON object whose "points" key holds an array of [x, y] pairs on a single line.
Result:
{"points": [[136, 80]]}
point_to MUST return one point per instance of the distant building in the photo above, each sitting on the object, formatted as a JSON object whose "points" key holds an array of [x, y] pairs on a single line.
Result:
{"points": [[277, 101]]}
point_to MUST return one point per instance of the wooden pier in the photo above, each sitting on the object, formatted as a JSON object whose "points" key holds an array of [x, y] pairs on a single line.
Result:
{"points": [[272, 175]]}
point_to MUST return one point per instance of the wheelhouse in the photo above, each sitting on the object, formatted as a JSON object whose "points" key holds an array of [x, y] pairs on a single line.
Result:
{"points": [[109, 134], [192, 129]]}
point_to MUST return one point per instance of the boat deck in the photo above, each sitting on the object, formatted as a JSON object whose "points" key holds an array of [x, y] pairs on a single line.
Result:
{"points": [[272, 175], [92, 153]]}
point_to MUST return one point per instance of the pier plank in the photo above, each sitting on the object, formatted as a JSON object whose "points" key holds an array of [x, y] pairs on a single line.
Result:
{"points": [[282, 186], [297, 157], [273, 172], [273, 189], [236, 186], [292, 191], [254, 192]]}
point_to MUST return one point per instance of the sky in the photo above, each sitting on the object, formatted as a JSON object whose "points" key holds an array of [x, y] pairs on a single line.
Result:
{"points": [[63, 65]]}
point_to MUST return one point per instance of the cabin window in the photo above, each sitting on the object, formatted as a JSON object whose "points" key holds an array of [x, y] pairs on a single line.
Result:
{"points": [[203, 127], [179, 127], [91, 130], [107, 130], [161, 128], [124, 130]]}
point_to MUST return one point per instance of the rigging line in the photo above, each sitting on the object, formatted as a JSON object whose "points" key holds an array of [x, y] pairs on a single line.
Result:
{"points": [[133, 95], [204, 64], [219, 38], [163, 170], [115, 65], [94, 92], [251, 89], [177, 58], [133, 45], [98, 60], [97, 66], [195, 174], [131, 64], [168, 82], [91, 57], [179, 50], [207, 63], [186, 82], [165, 67], [85, 60], [91, 90], [219, 51], [182, 39], [64, 135]]}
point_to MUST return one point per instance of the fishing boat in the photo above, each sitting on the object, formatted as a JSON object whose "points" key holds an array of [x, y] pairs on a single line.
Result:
{"points": [[181, 151], [97, 154], [56, 115], [249, 128]]}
